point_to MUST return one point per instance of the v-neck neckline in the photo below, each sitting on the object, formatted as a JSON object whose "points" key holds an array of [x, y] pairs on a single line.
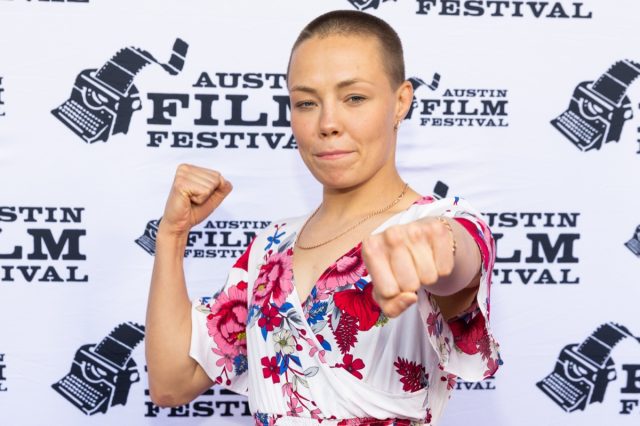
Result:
{"points": [[332, 265]]}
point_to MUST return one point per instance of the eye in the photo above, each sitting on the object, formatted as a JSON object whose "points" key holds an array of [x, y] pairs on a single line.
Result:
{"points": [[303, 105], [355, 99]]}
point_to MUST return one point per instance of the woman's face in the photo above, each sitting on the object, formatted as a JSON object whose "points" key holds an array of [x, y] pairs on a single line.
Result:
{"points": [[343, 109]]}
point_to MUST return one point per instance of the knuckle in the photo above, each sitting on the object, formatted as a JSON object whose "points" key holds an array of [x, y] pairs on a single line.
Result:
{"points": [[415, 232], [393, 235]]}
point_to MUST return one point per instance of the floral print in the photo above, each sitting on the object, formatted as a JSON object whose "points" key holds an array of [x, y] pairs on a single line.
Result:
{"points": [[311, 352]]}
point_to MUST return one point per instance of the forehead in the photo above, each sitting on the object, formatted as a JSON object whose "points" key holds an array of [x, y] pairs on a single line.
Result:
{"points": [[329, 60]]}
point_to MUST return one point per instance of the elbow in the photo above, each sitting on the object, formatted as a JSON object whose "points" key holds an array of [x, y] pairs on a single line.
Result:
{"points": [[166, 397]]}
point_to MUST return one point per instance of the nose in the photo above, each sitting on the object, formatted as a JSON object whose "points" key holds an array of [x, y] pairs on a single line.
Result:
{"points": [[329, 123]]}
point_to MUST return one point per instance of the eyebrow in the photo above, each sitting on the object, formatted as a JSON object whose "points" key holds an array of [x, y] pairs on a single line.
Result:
{"points": [[340, 85]]}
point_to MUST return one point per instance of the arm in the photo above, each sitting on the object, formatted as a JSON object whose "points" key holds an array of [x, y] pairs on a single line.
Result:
{"points": [[405, 258], [174, 377]]}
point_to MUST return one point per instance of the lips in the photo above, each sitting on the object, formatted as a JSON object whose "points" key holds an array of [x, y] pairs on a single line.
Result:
{"points": [[333, 154]]}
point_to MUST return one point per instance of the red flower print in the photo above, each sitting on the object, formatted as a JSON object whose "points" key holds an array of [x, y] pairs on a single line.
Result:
{"points": [[270, 318], [243, 261], [468, 333], [414, 376], [270, 368], [492, 367], [434, 324], [360, 304], [274, 279], [351, 365], [347, 270], [450, 379], [226, 323], [427, 419]]}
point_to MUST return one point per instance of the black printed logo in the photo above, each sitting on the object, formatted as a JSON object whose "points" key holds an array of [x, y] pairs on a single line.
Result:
{"points": [[504, 9], [367, 4], [583, 371], [42, 244], [2, 111], [598, 110], [215, 402], [3, 378], [211, 239], [148, 240], [102, 101], [457, 107], [634, 243], [102, 374]]}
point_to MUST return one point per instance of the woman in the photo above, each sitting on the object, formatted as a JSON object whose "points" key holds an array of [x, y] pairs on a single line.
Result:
{"points": [[381, 332]]}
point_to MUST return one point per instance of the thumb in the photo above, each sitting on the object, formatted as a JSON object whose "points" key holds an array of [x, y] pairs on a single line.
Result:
{"points": [[398, 304]]}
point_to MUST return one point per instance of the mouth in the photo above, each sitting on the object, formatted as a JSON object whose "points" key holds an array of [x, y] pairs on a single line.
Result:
{"points": [[333, 154]]}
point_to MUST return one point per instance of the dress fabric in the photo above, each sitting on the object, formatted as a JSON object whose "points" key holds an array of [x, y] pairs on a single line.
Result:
{"points": [[335, 359]]}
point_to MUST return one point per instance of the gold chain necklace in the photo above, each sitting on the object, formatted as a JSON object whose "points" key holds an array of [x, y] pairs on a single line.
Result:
{"points": [[351, 228]]}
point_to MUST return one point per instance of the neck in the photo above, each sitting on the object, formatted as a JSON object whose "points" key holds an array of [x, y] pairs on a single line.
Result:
{"points": [[345, 204]]}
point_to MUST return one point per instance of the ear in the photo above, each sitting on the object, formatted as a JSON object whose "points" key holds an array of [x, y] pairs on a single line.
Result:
{"points": [[404, 98]]}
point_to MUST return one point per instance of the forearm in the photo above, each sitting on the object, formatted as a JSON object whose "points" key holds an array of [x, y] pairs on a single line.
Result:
{"points": [[466, 264], [168, 331]]}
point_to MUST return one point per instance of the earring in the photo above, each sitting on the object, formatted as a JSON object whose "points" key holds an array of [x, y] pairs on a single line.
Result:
{"points": [[395, 126]]}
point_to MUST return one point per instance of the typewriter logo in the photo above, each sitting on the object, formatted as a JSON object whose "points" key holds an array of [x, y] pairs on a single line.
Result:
{"points": [[598, 110], [148, 240], [417, 83], [101, 375], [634, 243], [367, 4], [582, 372], [102, 101]]}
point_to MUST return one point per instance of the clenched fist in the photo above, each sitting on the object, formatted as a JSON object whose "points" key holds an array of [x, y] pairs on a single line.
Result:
{"points": [[405, 257], [195, 193]]}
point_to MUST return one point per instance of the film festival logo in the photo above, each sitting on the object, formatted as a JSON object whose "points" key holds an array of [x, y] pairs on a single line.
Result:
{"points": [[535, 248], [101, 374], [494, 9], [103, 101], [212, 239], [458, 107], [583, 372], [598, 110], [47, 247]]}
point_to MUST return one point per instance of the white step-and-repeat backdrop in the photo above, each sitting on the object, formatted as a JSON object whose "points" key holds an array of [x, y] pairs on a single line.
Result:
{"points": [[529, 109]]}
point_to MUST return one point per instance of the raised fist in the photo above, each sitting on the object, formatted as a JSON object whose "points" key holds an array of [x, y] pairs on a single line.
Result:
{"points": [[195, 194]]}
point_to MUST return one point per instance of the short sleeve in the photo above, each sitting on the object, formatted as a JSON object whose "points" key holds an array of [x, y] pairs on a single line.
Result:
{"points": [[464, 344], [218, 330]]}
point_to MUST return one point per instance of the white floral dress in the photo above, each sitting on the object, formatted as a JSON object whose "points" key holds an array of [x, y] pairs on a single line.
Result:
{"points": [[335, 359]]}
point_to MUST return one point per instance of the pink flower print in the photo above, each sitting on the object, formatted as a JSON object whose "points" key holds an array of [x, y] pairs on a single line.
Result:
{"points": [[347, 270], [427, 199], [287, 389], [225, 359], [294, 408], [226, 322], [274, 279], [450, 379]]}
